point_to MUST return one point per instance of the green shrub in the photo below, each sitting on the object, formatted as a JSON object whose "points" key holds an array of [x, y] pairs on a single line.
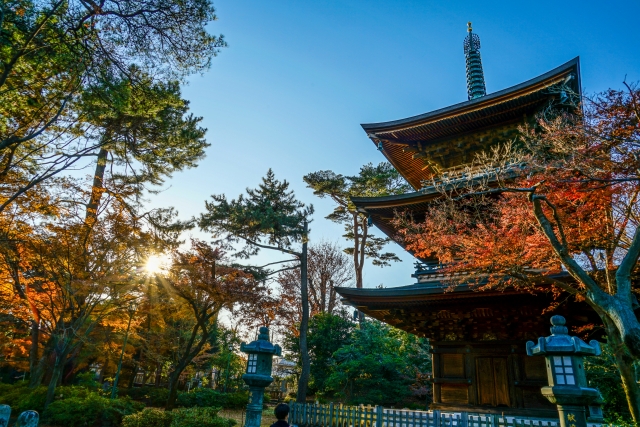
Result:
{"points": [[69, 391], [5, 388], [22, 398], [91, 410], [115, 410], [182, 417], [206, 397], [203, 397], [199, 417], [237, 400], [149, 417], [152, 396], [88, 380]]}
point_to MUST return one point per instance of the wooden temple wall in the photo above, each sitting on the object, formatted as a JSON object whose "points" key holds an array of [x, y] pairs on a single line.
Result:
{"points": [[330, 415], [490, 375]]}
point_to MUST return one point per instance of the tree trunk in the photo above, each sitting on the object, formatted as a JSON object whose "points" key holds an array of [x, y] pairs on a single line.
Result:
{"points": [[303, 382], [53, 383], [36, 376], [33, 351], [190, 351], [69, 370], [620, 311], [624, 362], [97, 189], [158, 374], [363, 246], [173, 388], [356, 251]]}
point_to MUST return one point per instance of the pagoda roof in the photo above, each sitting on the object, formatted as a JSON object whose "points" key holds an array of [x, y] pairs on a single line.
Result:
{"points": [[506, 106], [434, 308], [418, 294], [382, 210]]}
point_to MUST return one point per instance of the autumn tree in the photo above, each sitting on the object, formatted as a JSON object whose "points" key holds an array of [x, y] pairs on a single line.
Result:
{"points": [[17, 226], [328, 268], [269, 217], [372, 181], [75, 289], [563, 200], [201, 286], [71, 283]]}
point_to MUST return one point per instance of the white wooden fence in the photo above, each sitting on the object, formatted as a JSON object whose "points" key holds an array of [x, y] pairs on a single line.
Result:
{"points": [[330, 415]]}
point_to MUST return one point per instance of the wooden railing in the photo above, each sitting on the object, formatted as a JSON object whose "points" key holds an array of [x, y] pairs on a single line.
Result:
{"points": [[330, 415]]}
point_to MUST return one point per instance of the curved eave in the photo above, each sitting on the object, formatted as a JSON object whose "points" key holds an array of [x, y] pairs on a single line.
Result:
{"points": [[534, 84], [421, 295], [434, 290], [382, 210], [406, 199]]}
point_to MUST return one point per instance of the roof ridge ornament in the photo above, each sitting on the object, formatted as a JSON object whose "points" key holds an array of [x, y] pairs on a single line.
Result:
{"points": [[475, 76]]}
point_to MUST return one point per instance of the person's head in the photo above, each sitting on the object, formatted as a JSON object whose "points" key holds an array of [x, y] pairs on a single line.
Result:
{"points": [[281, 411]]}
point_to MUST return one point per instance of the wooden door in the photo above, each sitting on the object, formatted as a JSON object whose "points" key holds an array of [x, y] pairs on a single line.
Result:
{"points": [[492, 380]]}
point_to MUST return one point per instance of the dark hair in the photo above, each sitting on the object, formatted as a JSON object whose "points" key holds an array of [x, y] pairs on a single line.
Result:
{"points": [[281, 411]]}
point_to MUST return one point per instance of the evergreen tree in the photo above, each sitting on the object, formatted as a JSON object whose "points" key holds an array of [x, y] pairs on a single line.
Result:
{"points": [[379, 365], [269, 217], [55, 51], [372, 181]]}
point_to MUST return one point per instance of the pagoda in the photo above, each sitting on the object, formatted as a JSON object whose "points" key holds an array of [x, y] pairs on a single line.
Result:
{"points": [[478, 338]]}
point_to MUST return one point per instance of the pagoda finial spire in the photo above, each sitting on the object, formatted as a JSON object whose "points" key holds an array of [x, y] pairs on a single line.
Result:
{"points": [[475, 75]]}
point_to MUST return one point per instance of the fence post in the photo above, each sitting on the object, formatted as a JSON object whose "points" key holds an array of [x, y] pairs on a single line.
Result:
{"points": [[327, 414], [436, 418], [379, 415], [292, 414], [314, 414], [464, 419], [295, 413], [304, 414]]}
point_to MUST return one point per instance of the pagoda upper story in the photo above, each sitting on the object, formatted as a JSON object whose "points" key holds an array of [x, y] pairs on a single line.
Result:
{"points": [[444, 141]]}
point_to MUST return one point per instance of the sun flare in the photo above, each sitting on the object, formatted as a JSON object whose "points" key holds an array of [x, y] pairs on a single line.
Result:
{"points": [[156, 264]]}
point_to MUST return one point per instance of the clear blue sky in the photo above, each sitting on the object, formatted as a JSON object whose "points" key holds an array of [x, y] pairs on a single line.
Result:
{"points": [[298, 78]]}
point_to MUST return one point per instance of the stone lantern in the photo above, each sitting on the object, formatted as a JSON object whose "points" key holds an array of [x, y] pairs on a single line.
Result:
{"points": [[5, 415], [565, 369], [258, 377]]}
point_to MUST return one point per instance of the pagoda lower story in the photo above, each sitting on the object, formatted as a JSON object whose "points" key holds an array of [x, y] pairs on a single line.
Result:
{"points": [[478, 341]]}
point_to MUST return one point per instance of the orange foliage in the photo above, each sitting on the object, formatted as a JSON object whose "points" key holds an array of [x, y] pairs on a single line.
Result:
{"points": [[584, 172]]}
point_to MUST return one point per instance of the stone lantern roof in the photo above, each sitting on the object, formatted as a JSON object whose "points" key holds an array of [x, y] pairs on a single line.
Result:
{"points": [[561, 343], [262, 344]]}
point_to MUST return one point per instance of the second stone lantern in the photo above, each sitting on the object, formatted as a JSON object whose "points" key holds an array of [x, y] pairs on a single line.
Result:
{"points": [[565, 369], [260, 360]]}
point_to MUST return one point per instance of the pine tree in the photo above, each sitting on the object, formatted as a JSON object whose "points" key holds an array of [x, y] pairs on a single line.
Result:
{"points": [[269, 217]]}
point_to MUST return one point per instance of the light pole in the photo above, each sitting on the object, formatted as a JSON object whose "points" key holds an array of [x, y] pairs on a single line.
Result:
{"points": [[226, 381], [132, 309]]}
